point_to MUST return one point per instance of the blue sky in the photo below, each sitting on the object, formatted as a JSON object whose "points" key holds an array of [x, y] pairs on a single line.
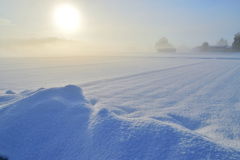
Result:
{"points": [[125, 24]]}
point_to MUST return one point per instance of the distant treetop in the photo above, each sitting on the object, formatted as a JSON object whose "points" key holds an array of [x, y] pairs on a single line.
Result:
{"points": [[222, 42], [163, 43], [236, 43], [204, 47]]}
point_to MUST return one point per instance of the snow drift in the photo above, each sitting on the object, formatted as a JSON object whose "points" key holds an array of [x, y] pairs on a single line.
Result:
{"points": [[60, 123]]}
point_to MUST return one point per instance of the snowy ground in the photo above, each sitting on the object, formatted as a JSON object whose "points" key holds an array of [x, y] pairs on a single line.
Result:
{"points": [[181, 106]]}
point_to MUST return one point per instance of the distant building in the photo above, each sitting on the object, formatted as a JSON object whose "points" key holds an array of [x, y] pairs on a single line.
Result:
{"points": [[219, 49], [214, 49], [167, 50]]}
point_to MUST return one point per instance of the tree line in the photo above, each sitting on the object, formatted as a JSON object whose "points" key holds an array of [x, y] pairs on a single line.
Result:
{"points": [[223, 42]]}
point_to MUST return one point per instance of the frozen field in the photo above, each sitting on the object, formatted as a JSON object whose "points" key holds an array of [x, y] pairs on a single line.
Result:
{"points": [[137, 107]]}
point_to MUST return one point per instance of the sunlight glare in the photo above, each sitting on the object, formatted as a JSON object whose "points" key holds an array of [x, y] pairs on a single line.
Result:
{"points": [[67, 18]]}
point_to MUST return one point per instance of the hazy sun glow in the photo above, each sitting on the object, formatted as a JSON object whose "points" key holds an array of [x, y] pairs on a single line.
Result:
{"points": [[67, 18]]}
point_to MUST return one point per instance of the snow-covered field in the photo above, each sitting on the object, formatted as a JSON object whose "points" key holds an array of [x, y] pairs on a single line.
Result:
{"points": [[173, 106]]}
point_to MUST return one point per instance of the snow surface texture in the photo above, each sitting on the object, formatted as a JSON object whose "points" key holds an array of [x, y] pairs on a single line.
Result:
{"points": [[164, 108]]}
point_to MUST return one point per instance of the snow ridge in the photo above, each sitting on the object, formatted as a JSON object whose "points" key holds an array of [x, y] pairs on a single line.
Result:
{"points": [[60, 123]]}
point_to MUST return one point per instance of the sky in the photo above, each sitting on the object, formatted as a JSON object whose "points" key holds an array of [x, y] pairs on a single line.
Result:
{"points": [[115, 25]]}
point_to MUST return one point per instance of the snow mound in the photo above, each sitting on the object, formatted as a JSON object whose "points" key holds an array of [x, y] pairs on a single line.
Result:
{"points": [[10, 92], [60, 123]]}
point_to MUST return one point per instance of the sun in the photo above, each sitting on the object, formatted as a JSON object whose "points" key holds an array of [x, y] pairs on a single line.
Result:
{"points": [[67, 18]]}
